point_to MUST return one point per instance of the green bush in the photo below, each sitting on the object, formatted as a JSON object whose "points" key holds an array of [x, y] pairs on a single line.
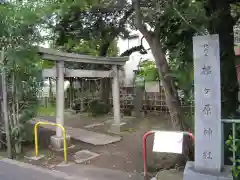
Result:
{"points": [[236, 161], [98, 107]]}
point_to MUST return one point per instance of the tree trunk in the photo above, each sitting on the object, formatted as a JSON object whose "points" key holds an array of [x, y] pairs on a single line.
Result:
{"points": [[138, 100], [219, 11], [221, 22], [105, 82], [172, 100], [105, 90], [51, 96]]}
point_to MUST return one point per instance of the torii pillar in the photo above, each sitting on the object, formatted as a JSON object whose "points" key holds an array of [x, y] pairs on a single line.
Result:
{"points": [[116, 125], [57, 140]]}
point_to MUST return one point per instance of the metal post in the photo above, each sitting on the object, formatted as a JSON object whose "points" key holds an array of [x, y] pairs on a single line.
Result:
{"points": [[144, 151], [51, 124], [5, 107], [234, 143]]}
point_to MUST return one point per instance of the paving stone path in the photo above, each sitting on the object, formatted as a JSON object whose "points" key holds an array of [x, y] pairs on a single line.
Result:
{"points": [[89, 137]]}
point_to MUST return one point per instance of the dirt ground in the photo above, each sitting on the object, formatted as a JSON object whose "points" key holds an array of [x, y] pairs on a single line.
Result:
{"points": [[125, 155]]}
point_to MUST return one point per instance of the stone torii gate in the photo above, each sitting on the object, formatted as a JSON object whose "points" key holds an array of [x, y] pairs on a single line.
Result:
{"points": [[60, 72]]}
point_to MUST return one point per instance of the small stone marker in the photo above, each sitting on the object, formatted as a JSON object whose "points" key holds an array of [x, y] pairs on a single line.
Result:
{"points": [[170, 142]]}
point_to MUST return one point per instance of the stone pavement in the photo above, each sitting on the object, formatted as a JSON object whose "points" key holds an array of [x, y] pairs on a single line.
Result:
{"points": [[14, 170], [89, 137], [95, 173], [169, 175]]}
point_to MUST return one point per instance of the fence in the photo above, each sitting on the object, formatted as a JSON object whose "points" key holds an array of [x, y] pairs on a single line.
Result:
{"points": [[233, 146], [82, 91]]}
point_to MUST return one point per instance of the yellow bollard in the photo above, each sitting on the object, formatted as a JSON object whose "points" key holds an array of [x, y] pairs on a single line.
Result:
{"points": [[51, 124]]}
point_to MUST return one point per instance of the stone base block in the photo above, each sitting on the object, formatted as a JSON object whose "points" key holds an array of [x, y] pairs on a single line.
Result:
{"points": [[191, 174], [117, 128], [57, 143]]}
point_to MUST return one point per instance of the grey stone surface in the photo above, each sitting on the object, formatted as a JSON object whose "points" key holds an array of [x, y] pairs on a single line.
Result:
{"points": [[169, 175], [84, 155], [93, 125], [140, 114], [14, 170], [84, 135], [95, 173], [208, 126], [58, 142], [190, 173], [71, 146], [64, 164], [117, 128], [35, 158]]}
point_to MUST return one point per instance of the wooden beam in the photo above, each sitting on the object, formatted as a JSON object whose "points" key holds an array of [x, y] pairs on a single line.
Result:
{"points": [[54, 55], [49, 73], [87, 73], [78, 73]]}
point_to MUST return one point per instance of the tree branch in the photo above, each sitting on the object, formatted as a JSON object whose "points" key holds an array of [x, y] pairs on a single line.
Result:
{"points": [[157, 27], [134, 49], [104, 48], [115, 33], [139, 19], [126, 16], [188, 23], [233, 1], [139, 48], [237, 17]]}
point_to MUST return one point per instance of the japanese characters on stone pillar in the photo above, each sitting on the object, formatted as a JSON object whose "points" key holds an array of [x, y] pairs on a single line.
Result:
{"points": [[208, 126]]}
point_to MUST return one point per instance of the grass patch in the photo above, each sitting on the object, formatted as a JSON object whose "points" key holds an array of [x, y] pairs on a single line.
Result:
{"points": [[50, 110]]}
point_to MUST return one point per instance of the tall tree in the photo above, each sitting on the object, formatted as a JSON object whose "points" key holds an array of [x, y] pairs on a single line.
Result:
{"points": [[188, 18], [151, 31], [222, 22], [100, 22], [18, 34]]}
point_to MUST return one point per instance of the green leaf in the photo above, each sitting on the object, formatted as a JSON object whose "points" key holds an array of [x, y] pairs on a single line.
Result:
{"points": [[228, 142]]}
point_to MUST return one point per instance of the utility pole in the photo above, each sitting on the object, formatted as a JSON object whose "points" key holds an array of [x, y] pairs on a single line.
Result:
{"points": [[5, 107]]}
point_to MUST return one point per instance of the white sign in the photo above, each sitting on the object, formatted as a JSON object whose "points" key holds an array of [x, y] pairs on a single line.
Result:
{"points": [[208, 126], [152, 86], [76, 84], [169, 142]]}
